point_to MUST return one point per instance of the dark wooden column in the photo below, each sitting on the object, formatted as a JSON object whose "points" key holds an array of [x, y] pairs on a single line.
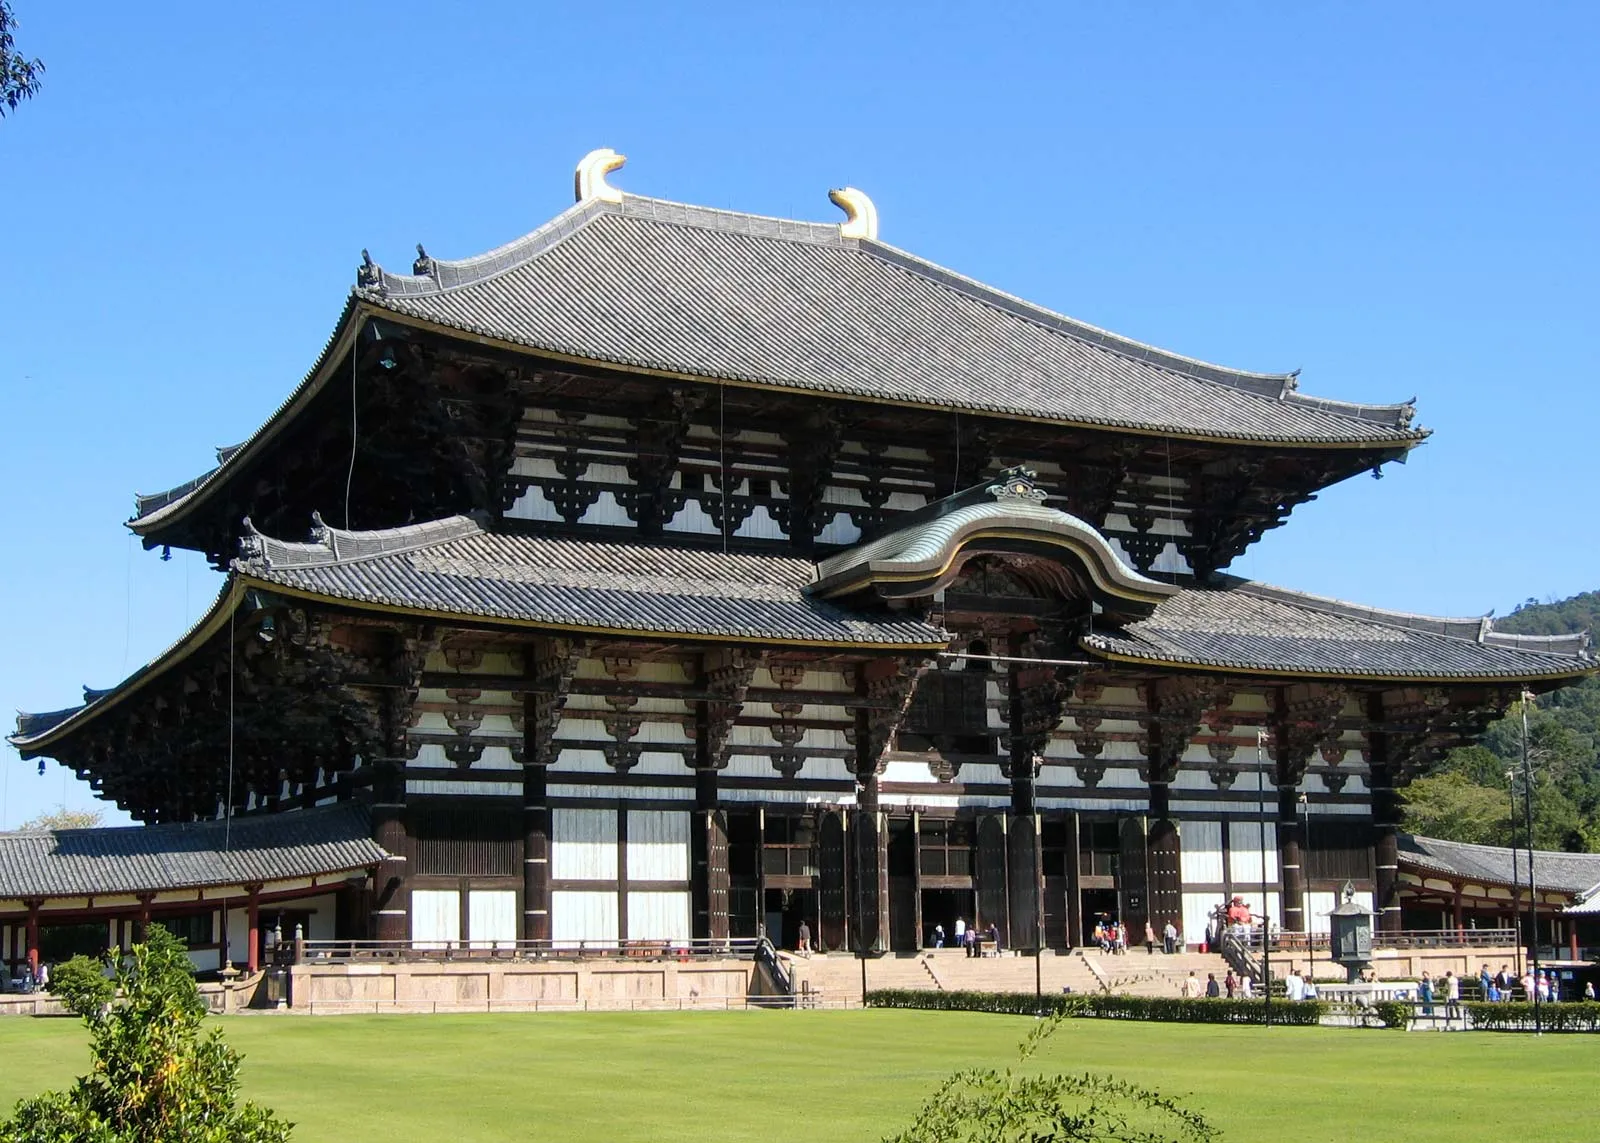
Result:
{"points": [[1304, 717], [33, 936], [1175, 707], [549, 664], [1036, 700], [1290, 859], [709, 851], [1385, 819], [391, 899], [886, 685], [141, 927]]}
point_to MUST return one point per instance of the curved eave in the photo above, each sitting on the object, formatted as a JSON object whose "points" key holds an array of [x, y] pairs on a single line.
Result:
{"points": [[482, 335], [338, 344], [1108, 574], [516, 623], [1557, 674], [221, 611]]}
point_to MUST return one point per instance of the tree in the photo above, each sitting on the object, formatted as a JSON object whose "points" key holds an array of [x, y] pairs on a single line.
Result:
{"points": [[154, 1079], [20, 78], [982, 1105], [63, 818]]}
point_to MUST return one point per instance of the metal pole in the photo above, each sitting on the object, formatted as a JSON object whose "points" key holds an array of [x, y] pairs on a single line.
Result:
{"points": [[1305, 864], [1516, 871], [1533, 885], [1266, 905]]}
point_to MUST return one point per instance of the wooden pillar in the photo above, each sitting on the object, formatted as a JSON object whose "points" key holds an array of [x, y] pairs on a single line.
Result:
{"points": [[1289, 860], [535, 853], [33, 936], [252, 915], [392, 891], [141, 925], [1385, 821], [869, 859], [1456, 911], [1572, 938], [709, 850]]}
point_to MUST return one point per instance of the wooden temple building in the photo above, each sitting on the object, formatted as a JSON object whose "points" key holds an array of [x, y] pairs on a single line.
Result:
{"points": [[672, 572]]}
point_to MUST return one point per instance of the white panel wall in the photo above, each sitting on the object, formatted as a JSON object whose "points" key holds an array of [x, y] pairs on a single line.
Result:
{"points": [[658, 846], [1197, 909], [1318, 904], [658, 916], [435, 917], [1201, 853], [491, 917], [578, 917], [1245, 852], [583, 845]]}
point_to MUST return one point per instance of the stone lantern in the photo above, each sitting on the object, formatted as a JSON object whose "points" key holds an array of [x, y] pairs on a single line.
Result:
{"points": [[1350, 934]]}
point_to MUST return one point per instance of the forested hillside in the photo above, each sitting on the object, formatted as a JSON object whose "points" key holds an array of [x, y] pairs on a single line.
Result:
{"points": [[1467, 796]]}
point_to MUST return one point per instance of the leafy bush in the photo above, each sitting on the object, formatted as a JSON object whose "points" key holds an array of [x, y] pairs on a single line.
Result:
{"points": [[82, 985], [1395, 1014], [1107, 1006], [1583, 1016], [154, 1079], [983, 1105]]}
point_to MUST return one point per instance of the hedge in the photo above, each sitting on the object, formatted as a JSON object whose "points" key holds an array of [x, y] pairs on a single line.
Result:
{"points": [[1517, 1016], [1105, 1006]]}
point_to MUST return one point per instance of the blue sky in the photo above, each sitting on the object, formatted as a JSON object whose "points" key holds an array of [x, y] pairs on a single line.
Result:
{"points": [[1398, 199]]}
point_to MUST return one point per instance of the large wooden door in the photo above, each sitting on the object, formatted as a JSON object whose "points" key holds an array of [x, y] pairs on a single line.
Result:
{"points": [[992, 887], [1133, 887], [1022, 853], [831, 881], [870, 881], [1166, 875], [711, 875]]}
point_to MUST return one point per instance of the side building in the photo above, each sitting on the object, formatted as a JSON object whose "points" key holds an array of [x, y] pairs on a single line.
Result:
{"points": [[699, 574]]}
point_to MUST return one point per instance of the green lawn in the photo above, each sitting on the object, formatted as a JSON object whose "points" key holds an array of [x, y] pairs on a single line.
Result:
{"points": [[843, 1076]]}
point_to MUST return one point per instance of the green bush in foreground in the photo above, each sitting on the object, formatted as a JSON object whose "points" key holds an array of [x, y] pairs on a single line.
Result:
{"points": [[154, 1079], [1503, 1016], [984, 1105], [1106, 1006], [82, 985]]}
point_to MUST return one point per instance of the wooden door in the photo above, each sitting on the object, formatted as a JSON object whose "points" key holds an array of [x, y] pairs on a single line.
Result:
{"points": [[831, 881], [1133, 887], [1022, 854], [992, 887]]}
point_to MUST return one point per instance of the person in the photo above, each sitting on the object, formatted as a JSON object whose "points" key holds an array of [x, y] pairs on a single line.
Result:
{"points": [[961, 932], [1191, 986], [938, 936], [1294, 985], [44, 977], [804, 943], [1213, 989], [1247, 988], [1541, 985], [1102, 936], [1121, 932], [1492, 993], [1505, 980], [1425, 994], [1230, 984], [1528, 989], [1452, 995], [1485, 982], [994, 937], [971, 941], [1588, 990], [1169, 938]]}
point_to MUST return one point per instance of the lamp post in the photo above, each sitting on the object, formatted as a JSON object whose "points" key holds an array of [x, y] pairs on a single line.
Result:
{"points": [[1304, 806], [1533, 885], [1516, 874], [1266, 907]]}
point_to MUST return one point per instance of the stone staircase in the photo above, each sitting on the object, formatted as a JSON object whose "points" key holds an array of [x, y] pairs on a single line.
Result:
{"points": [[950, 970]]}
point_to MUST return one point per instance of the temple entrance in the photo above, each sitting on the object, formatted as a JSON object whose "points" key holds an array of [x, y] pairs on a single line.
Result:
{"points": [[1099, 905], [785, 909], [942, 907]]}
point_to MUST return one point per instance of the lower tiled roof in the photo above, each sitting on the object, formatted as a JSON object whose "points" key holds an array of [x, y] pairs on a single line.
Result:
{"points": [[147, 859], [1557, 872], [456, 568], [1253, 627]]}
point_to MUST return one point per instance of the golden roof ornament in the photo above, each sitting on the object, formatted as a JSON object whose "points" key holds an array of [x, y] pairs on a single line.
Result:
{"points": [[861, 217], [1017, 486], [589, 180]]}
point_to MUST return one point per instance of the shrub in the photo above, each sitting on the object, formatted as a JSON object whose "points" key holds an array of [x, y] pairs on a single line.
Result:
{"points": [[154, 1079], [1395, 1014], [1107, 1006], [1517, 1016], [82, 985]]}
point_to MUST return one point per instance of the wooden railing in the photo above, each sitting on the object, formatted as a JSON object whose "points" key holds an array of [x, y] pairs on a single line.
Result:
{"points": [[345, 952], [1288, 941]]}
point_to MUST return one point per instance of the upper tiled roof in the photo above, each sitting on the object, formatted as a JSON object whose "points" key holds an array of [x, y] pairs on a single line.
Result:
{"points": [[716, 294], [454, 567], [277, 847], [1557, 872], [1256, 627]]}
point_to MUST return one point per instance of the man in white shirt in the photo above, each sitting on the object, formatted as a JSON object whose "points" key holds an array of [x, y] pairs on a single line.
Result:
{"points": [[1294, 985], [1191, 986]]}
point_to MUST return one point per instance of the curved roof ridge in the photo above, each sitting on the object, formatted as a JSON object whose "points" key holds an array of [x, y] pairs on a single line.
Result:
{"points": [[329, 545], [1466, 629], [1571, 644], [1277, 386]]}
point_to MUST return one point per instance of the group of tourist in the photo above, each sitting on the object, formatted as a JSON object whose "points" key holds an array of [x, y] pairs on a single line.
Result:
{"points": [[969, 939], [1230, 987], [1544, 985], [1111, 936], [25, 980]]}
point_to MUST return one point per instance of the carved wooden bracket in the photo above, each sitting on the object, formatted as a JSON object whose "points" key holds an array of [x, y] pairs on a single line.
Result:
{"points": [[1175, 709], [1306, 716], [889, 684], [726, 674], [549, 665]]}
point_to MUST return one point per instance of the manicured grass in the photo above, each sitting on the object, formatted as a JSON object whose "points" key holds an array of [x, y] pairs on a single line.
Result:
{"points": [[709, 1077]]}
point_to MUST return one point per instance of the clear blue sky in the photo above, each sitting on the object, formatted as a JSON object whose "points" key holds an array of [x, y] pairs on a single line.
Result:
{"points": [[1398, 198]]}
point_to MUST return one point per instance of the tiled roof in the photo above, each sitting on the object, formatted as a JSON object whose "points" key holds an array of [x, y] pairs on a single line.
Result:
{"points": [[454, 567], [276, 847], [717, 294], [1256, 627], [1557, 872]]}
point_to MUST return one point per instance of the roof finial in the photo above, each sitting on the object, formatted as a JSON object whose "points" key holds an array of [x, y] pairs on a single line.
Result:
{"points": [[861, 217], [589, 180]]}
